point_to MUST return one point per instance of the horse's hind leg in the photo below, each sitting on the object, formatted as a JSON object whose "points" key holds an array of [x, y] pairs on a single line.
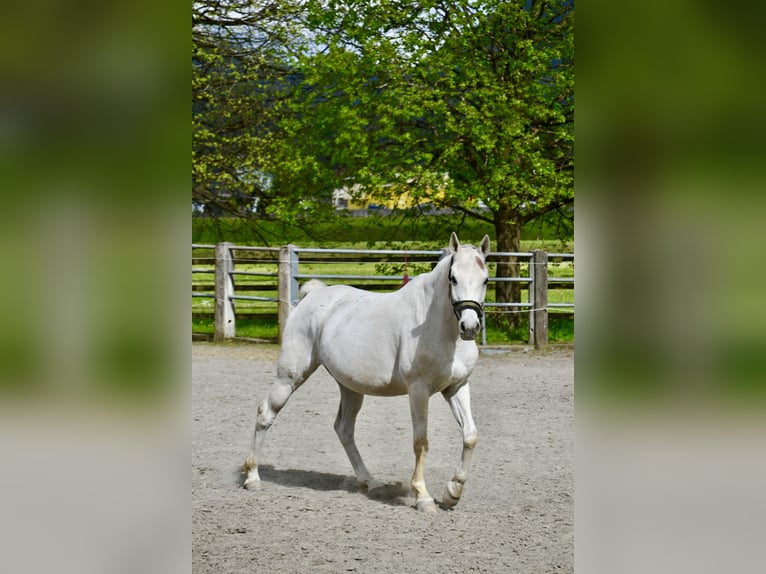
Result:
{"points": [[294, 368], [350, 404]]}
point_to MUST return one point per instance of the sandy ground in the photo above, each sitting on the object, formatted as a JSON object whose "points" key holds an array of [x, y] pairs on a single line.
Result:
{"points": [[516, 514]]}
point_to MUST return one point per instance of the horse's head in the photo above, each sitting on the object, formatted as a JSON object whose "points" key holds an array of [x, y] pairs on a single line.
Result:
{"points": [[468, 278]]}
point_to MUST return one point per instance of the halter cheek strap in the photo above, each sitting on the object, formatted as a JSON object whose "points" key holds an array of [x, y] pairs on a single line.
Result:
{"points": [[459, 306]]}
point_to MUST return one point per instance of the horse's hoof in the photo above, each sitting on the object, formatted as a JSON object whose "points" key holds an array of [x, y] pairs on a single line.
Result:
{"points": [[426, 506], [371, 485], [448, 501], [252, 484]]}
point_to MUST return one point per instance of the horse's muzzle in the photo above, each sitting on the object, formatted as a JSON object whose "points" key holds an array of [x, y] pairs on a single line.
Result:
{"points": [[468, 329], [469, 334]]}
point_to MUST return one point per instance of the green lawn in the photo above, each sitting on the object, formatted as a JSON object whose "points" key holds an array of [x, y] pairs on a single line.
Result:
{"points": [[561, 324], [364, 232]]}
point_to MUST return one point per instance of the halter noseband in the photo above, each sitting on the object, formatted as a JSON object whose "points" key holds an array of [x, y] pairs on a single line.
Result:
{"points": [[459, 306]]}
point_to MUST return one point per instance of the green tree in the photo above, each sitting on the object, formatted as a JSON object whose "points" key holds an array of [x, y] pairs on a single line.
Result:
{"points": [[467, 104], [243, 76], [226, 123], [404, 93]]}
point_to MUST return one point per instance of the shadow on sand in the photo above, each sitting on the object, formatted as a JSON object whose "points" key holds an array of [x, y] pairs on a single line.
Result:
{"points": [[395, 494]]}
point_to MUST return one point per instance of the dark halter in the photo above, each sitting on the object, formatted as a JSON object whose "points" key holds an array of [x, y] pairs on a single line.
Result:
{"points": [[459, 306]]}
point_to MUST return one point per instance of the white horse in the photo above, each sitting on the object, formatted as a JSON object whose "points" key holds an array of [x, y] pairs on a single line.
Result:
{"points": [[418, 341]]}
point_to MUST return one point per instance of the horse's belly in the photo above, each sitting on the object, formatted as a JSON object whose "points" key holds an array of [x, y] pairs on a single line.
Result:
{"points": [[376, 388], [365, 379], [364, 372]]}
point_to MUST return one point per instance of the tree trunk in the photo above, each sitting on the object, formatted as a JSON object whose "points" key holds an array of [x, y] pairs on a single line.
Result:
{"points": [[508, 234]]}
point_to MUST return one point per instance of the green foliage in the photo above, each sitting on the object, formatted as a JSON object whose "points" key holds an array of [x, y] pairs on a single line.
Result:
{"points": [[369, 232], [479, 91], [242, 79], [465, 104]]}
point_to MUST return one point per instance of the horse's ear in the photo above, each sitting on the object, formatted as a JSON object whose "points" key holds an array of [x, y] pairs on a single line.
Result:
{"points": [[454, 242], [484, 246]]}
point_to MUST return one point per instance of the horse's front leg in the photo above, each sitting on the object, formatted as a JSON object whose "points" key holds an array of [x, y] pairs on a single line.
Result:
{"points": [[460, 402], [419, 411]]}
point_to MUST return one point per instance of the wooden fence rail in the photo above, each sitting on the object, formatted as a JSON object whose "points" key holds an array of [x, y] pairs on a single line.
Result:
{"points": [[225, 275]]}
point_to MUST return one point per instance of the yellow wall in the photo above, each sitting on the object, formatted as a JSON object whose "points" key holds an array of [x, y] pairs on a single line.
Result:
{"points": [[402, 201]]}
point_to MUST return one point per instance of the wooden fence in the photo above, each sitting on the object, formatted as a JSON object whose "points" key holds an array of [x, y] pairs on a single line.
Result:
{"points": [[234, 281]]}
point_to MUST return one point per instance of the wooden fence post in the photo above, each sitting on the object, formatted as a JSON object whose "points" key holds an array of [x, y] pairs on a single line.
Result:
{"points": [[539, 326], [225, 321], [288, 284]]}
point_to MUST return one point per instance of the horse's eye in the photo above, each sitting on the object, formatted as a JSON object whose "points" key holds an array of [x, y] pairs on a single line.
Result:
{"points": [[452, 280], [486, 280]]}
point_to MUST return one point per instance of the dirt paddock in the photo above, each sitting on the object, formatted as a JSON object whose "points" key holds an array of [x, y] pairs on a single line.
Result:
{"points": [[516, 514]]}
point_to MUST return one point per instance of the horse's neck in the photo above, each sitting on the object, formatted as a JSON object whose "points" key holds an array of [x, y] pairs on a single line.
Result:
{"points": [[435, 319], [437, 294]]}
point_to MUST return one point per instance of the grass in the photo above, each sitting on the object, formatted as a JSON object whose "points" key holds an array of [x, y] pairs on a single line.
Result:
{"points": [[368, 233], [560, 330], [254, 328], [364, 232], [360, 230]]}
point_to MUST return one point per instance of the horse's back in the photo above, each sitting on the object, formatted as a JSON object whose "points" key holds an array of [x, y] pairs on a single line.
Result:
{"points": [[318, 308]]}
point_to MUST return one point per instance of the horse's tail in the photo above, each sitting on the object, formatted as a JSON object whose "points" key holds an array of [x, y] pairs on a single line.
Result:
{"points": [[310, 286]]}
